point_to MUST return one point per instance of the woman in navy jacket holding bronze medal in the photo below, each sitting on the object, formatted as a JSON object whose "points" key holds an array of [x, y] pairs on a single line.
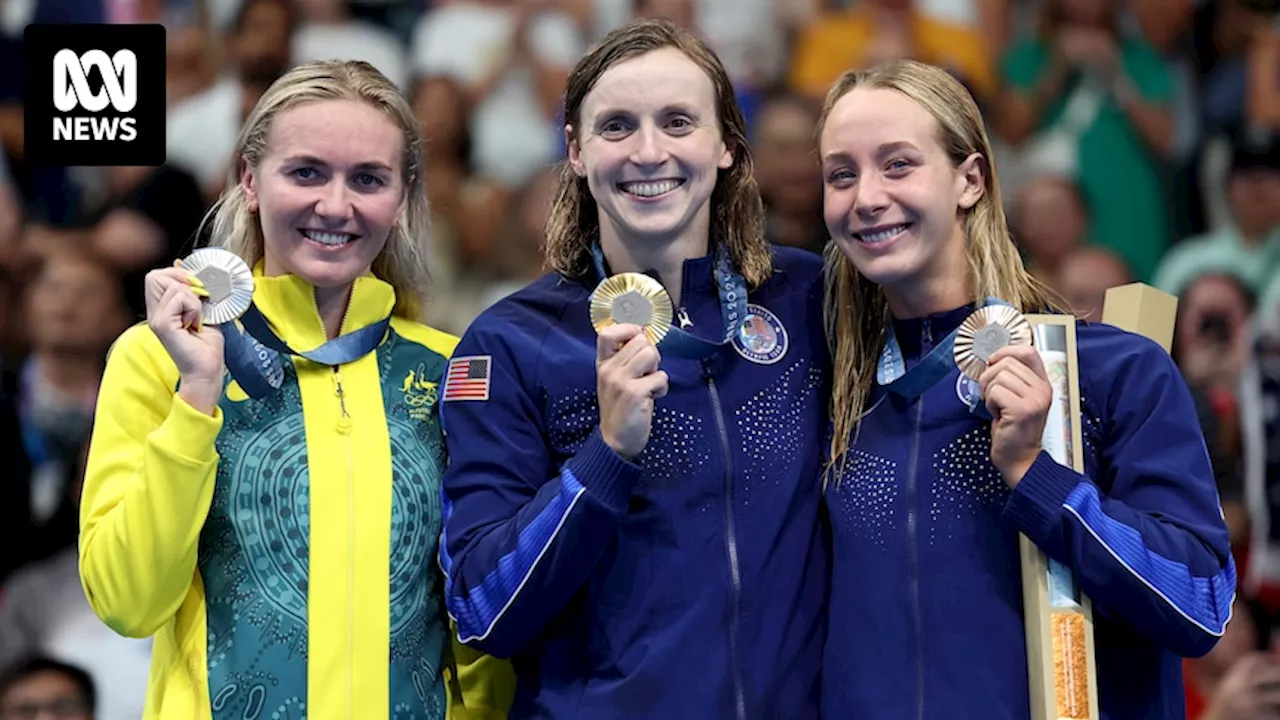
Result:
{"points": [[636, 439], [936, 471]]}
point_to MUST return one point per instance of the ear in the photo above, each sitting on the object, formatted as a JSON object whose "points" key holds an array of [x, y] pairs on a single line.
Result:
{"points": [[971, 180], [575, 152], [726, 158], [249, 182]]}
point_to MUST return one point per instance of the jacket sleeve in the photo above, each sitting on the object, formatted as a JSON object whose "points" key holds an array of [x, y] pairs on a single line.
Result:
{"points": [[520, 535], [1151, 550], [148, 484]]}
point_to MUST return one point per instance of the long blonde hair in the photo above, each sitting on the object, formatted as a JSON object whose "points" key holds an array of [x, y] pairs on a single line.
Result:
{"points": [[403, 262], [737, 212], [856, 312]]}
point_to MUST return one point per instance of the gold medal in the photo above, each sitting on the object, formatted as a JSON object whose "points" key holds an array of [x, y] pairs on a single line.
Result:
{"points": [[986, 331], [226, 279], [632, 299]]}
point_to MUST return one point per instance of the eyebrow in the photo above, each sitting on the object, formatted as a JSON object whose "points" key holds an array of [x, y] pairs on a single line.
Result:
{"points": [[312, 160], [885, 149], [612, 110]]}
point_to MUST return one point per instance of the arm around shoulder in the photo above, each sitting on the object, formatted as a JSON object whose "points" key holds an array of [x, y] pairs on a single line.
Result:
{"points": [[148, 485]]}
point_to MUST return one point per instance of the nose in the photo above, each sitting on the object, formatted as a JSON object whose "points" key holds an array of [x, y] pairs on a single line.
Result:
{"points": [[871, 199], [334, 202], [650, 148]]}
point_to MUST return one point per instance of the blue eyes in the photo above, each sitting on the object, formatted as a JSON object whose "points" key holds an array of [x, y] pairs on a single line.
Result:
{"points": [[362, 180], [896, 168]]}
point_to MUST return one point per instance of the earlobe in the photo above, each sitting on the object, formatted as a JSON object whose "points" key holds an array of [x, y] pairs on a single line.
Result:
{"points": [[973, 173], [726, 159]]}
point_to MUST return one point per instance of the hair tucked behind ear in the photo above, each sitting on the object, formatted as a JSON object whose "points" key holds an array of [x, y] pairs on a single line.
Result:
{"points": [[403, 262], [856, 312]]}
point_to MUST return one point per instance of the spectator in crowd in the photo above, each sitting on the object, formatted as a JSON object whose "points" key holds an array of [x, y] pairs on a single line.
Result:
{"points": [[874, 31], [788, 172], [1250, 246], [1240, 678], [1085, 275], [1087, 102], [73, 310], [328, 30], [1050, 222], [510, 61], [43, 610], [202, 130], [38, 686]]}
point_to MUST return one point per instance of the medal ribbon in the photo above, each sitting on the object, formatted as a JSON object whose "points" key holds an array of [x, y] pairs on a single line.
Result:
{"points": [[910, 384], [253, 354], [732, 290]]}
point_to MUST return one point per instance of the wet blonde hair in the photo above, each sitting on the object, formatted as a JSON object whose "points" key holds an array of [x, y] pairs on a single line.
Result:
{"points": [[856, 311], [737, 212], [403, 261]]}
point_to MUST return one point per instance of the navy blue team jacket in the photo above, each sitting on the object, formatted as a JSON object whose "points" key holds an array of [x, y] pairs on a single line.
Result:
{"points": [[926, 598], [689, 584]]}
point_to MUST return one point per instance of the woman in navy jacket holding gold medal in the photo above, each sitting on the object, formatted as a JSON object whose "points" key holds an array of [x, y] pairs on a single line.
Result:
{"points": [[937, 472], [636, 524]]}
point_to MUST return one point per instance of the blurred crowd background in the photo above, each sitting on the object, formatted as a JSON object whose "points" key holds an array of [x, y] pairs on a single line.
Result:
{"points": [[1137, 140]]}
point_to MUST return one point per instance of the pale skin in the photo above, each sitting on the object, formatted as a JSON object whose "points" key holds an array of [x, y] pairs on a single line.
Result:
{"points": [[884, 166], [333, 168], [648, 119]]}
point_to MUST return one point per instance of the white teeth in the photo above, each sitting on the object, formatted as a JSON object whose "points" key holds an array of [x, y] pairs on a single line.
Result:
{"points": [[881, 235], [650, 189], [325, 238]]}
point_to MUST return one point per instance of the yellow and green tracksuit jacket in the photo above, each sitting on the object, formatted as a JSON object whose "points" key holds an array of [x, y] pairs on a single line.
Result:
{"points": [[283, 551]]}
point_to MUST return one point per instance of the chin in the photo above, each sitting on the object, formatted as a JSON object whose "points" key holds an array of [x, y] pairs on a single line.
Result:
{"points": [[329, 275]]}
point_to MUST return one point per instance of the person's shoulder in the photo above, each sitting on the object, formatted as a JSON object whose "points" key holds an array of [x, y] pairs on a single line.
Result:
{"points": [[523, 317], [794, 270], [437, 341], [1109, 355]]}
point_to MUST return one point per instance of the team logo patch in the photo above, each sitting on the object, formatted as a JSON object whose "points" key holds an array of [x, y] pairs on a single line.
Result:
{"points": [[761, 338], [419, 393], [968, 390]]}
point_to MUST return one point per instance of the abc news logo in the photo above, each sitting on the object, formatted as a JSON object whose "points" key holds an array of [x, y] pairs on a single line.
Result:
{"points": [[71, 90], [95, 94]]}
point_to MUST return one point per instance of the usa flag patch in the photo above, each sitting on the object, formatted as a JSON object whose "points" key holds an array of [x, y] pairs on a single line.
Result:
{"points": [[468, 378]]}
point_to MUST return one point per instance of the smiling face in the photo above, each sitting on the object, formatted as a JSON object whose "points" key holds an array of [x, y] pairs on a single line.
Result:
{"points": [[328, 191], [650, 146], [893, 198]]}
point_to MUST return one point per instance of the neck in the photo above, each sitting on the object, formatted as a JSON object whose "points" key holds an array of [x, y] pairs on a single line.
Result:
{"points": [[665, 257], [332, 304], [944, 284], [72, 372]]}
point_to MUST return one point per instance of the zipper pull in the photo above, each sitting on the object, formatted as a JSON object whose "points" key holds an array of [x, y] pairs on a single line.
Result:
{"points": [[344, 422], [683, 316]]}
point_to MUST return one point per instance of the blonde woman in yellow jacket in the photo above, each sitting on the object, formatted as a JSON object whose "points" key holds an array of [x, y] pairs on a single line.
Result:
{"points": [[282, 547]]}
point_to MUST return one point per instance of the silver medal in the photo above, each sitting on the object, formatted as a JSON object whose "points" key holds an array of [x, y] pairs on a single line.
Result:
{"points": [[228, 280]]}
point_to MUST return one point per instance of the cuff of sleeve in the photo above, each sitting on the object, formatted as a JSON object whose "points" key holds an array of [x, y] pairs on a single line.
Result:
{"points": [[188, 434], [604, 473], [1036, 504]]}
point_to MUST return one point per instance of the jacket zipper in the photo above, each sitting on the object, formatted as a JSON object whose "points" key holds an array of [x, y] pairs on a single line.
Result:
{"points": [[343, 427], [913, 560], [731, 543]]}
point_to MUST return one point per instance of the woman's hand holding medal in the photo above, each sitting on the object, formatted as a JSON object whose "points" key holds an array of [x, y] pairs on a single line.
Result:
{"points": [[1017, 393], [627, 383], [175, 314]]}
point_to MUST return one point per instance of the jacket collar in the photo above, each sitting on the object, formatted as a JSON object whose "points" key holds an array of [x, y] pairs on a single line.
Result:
{"points": [[289, 304]]}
